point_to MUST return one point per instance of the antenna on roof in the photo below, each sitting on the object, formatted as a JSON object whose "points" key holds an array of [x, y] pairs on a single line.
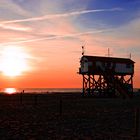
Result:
{"points": [[130, 55], [108, 52], [83, 50]]}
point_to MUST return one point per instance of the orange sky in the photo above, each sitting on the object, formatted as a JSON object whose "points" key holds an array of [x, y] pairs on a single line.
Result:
{"points": [[49, 36]]}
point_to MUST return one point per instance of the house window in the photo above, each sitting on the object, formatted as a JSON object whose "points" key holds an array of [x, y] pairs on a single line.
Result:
{"points": [[86, 60], [128, 65]]}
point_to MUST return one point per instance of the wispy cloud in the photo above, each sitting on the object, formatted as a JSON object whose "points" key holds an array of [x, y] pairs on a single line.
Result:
{"points": [[60, 15], [11, 7], [55, 37], [15, 27]]}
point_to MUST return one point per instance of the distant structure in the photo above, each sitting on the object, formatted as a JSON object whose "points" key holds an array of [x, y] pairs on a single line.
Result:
{"points": [[107, 76]]}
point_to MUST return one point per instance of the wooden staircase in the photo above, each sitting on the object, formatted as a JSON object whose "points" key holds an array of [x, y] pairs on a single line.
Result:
{"points": [[115, 82]]}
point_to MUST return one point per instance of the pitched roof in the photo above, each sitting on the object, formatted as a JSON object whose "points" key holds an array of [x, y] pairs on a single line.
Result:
{"points": [[108, 59]]}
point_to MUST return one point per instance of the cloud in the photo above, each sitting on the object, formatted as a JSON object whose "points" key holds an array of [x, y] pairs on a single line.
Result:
{"points": [[60, 15], [15, 27], [125, 36], [55, 37], [9, 7], [129, 30]]}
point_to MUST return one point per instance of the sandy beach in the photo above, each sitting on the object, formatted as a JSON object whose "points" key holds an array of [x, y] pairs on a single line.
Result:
{"points": [[67, 117]]}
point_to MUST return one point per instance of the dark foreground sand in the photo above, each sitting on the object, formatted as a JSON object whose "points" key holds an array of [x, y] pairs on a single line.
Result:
{"points": [[67, 117]]}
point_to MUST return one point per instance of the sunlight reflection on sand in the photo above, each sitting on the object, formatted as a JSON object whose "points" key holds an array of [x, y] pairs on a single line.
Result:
{"points": [[10, 90]]}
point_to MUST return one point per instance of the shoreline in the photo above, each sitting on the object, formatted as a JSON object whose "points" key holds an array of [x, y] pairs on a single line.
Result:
{"points": [[58, 93]]}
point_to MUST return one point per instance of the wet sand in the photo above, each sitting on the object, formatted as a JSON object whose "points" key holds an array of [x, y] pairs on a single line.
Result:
{"points": [[66, 116]]}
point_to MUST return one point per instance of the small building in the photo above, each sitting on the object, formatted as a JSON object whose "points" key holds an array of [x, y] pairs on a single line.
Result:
{"points": [[107, 75], [96, 64]]}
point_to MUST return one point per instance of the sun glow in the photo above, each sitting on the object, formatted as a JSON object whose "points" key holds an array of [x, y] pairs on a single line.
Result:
{"points": [[9, 90], [13, 61]]}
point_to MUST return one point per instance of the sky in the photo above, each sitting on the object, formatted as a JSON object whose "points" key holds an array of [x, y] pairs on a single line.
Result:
{"points": [[40, 40]]}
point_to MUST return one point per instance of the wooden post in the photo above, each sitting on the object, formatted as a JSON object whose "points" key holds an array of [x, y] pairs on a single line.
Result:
{"points": [[83, 93], [136, 131], [60, 106], [21, 97], [89, 92], [35, 100]]}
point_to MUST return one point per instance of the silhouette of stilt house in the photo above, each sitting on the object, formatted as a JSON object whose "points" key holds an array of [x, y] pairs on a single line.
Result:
{"points": [[107, 76]]}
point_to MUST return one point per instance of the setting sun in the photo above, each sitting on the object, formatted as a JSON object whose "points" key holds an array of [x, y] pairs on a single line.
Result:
{"points": [[13, 61]]}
